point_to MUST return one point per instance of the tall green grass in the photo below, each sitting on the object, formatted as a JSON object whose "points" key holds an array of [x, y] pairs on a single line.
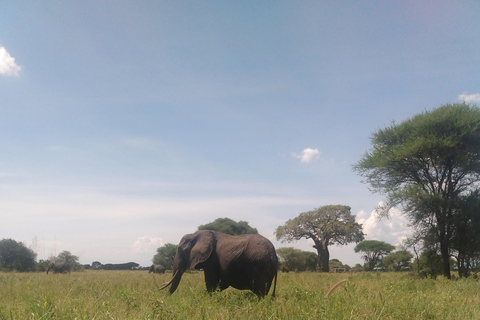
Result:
{"points": [[135, 295]]}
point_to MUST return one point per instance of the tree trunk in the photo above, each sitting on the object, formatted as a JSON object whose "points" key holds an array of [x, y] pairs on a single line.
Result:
{"points": [[445, 259], [323, 255], [443, 239]]}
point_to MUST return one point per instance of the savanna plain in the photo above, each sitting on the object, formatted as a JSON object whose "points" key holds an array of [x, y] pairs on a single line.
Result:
{"points": [[104, 294]]}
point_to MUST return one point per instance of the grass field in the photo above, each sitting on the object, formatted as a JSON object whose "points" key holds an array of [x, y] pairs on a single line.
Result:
{"points": [[135, 295]]}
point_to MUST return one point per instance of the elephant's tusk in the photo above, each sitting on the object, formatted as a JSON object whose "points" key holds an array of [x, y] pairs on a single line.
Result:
{"points": [[166, 284]]}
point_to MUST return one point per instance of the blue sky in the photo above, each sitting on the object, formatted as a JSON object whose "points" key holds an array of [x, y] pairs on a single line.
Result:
{"points": [[125, 125]]}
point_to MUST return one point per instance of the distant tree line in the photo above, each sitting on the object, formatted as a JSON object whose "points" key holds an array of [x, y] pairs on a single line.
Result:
{"points": [[116, 266], [15, 256]]}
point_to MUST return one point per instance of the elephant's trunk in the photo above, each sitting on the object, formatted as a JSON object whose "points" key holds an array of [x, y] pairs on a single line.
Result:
{"points": [[174, 282]]}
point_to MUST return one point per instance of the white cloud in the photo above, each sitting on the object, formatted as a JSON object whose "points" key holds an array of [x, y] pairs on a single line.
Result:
{"points": [[392, 230], [474, 97], [147, 244], [307, 155], [7, 64]]}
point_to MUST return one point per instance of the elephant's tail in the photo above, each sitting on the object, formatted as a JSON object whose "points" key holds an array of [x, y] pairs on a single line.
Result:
{"points": [[274, 284]]}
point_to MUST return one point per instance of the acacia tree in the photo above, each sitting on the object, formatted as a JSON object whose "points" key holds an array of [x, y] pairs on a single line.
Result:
{"points": [[398, 260], [428, 164], [373, 252], [326, 225]]}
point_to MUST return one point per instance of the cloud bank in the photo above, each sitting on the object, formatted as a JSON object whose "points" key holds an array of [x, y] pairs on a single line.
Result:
{"points": [[307, 155], [392, 230], [474, 97], [147, 244], [8, 66]]}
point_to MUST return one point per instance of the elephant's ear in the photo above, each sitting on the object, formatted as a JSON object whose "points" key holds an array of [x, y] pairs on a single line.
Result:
{"points": [[203, 248]]}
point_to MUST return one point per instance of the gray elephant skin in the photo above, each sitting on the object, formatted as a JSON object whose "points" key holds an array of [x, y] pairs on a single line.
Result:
{"points": [[156, 268], [58, 267], [245, 262]]}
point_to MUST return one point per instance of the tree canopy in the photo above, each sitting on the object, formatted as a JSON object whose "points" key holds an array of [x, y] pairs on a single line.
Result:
{"points": [[399, 260], [296, 259], [373, 252], [68, 257], [16, 256], [327, 225], [165, 255], [229, 226], [429, 164]]}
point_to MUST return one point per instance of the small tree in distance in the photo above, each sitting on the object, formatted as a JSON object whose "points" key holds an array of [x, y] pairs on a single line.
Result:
{"points": [[326, 225], [373, 252], [68, 257], [165, 255], [399, 260]]}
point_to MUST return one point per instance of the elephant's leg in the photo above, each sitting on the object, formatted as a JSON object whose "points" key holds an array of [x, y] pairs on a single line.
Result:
{"points": [[223, 284], [261, 285], [212, 278]]}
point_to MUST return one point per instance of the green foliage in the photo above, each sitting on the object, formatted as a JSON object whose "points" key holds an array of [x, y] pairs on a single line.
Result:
{"points": [[430, 264], [67, 257], [399, 260], [296, 260], [326, 225], [229, 226], [16, 256], [134, 295], [42, 265], [466, 236], [165, 255], [335, 263], [373, 252], [428, 164], [358, 268]]}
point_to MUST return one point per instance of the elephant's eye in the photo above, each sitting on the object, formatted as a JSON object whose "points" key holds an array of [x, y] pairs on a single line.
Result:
{"points": [[181, 250]]}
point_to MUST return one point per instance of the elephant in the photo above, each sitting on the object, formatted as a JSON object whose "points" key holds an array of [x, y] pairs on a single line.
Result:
{"points": [[245, 262], [156, 268], [58, 267]]}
